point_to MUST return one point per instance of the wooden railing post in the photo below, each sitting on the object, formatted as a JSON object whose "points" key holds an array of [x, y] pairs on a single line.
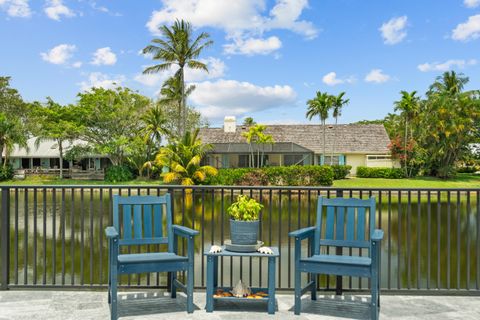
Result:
{"points": [[5, 237]]}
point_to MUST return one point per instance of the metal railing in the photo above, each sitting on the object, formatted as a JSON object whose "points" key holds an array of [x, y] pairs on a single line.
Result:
{"points": [[53, 236]]}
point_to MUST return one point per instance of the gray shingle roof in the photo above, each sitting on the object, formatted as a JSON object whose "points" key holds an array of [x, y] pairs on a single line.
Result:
{"points": [[350, 138]]}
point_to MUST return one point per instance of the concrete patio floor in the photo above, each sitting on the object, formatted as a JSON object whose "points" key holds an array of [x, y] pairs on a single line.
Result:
{"points": [[63, 305]]}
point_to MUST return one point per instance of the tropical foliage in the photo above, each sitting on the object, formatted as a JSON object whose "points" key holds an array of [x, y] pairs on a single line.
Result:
{"points": [[178, 48], [183, 160], [255, 136]]}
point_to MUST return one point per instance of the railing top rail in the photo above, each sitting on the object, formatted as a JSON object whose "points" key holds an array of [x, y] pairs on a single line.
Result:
{"points": [[225, 187]]}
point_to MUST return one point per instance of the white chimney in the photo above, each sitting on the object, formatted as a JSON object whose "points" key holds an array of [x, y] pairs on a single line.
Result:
{"points": [[229, 124]]}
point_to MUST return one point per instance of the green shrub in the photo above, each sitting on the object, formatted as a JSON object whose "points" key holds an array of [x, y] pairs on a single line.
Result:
{"points": [[377, 172], [340, 171], [227, 177], [6, 173], [468, 169], [280, 176], [118, 174]]}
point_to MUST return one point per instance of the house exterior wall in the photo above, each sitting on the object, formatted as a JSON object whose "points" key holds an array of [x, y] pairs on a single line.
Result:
{"points": [[355, 160]]}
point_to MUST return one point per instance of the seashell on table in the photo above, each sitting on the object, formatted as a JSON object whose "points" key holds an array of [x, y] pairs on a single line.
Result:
{"points": [[265, 250], [215, 249]]}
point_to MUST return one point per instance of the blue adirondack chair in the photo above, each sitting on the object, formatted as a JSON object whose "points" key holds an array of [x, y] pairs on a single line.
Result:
{"points": [[344, 227], [143, 226]]}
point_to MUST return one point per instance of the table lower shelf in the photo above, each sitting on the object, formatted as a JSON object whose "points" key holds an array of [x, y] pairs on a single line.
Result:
{"points": [[254, 291]]}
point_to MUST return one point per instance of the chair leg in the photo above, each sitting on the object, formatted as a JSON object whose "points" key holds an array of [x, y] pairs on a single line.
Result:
{"points": [[190, 279], [173, 288], [313, 278], [109, 290], [114, 298], [375, 296], [298, 292]]}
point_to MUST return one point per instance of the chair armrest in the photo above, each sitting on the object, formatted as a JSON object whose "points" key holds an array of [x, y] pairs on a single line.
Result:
{"points": [[184, 231], [377, 235], [111, 233], [303, 233]]}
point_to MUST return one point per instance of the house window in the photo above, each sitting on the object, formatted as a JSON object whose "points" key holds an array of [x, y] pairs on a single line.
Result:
{"points": [[293, 159], [379, 157], [329, 160]]}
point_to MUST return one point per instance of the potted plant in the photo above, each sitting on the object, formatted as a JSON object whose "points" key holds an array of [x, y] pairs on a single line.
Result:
{"points": [[244, 222]]}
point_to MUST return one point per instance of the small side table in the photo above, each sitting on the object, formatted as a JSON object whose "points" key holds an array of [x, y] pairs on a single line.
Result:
{"points": [[212, 277]]}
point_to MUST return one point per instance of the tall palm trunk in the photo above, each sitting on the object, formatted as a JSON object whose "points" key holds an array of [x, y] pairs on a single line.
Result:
{"points": [[1, 154], [405, 146], [182, 102], [324, 141], [334, 140]]}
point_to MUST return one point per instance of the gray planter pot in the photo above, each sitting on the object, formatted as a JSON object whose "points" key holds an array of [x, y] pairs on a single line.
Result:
{"points": [[244, 232]]}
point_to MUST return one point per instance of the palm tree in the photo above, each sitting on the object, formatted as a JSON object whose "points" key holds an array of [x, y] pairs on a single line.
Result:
{"points": [[320, 106], [338, 102], [155, 123], [183, 158], [408, 105], [264, 139], [248, 121], [171, 92], [449, 83], [252, 136], [178, 48]]}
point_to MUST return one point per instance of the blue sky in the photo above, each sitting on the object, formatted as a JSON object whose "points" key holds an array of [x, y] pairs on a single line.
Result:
{"points": [[268, 57]]}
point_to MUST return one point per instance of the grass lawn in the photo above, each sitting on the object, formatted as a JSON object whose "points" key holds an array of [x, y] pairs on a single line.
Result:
{"points": [[462, 180]]}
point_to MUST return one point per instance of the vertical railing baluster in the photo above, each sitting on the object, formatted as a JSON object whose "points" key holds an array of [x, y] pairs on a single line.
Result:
{"points": [[101, 235], [35, 236], [389, 223], [222, 229], [16, 239], [202, 235], [25, 237], [63, 234], [439, 221], [399, 239], [91, 236], [44, 236], [5, 238], [469, 211], [429, 238], [419, 241], [458, 238], [477, 278], [280, 237], [409, 241], [54, 235], [72, 236], [82, 235], [290, 260], [448, 237]]}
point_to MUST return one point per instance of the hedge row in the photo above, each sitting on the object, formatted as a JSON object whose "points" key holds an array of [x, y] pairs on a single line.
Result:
{"points": [[375, 172], [280, 176]]}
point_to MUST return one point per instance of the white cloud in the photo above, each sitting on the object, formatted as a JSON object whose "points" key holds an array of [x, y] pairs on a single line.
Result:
{"points": [[331, 79], [471, 3], [77, 64], [229, 97], [216, 69], [59, 54], [468, 30], [447, 65], [101, 80], [242, 20], [16, 8], [104, 56], [377, 76], [54, 9], [252, 46], [393, 31]]}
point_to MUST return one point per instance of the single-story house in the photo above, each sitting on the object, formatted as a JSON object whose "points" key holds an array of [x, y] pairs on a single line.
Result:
{"points": [[45, 159], [300, 144]]}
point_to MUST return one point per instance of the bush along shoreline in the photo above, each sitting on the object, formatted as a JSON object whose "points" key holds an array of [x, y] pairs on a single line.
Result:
{"points": [[280, 176], [378, 172]]}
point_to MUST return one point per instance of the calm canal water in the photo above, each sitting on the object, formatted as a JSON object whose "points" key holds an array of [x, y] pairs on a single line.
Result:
{"points": [[429, 242]]}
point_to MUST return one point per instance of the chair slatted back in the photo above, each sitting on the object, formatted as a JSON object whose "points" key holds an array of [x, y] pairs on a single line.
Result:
{"points": [[140, 220], [343, 222]]}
